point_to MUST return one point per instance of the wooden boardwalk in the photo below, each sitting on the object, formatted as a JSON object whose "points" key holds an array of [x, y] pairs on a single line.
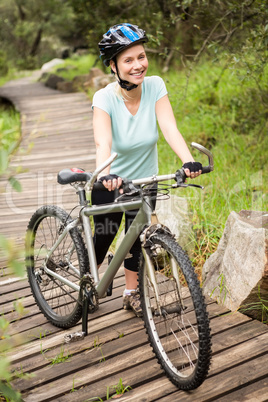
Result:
{"points": [[60, 128]]}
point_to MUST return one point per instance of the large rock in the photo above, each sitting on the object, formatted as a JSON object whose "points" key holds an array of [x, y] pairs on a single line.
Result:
{"points": [[65, 86], [51, 80], [79, 81], [176, 215], [97, 79], [237, 273], [51, 64], [102, 81]]}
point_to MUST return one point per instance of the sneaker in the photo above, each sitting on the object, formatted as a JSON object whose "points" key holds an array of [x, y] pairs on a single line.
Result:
{"points": [[133, 302]]}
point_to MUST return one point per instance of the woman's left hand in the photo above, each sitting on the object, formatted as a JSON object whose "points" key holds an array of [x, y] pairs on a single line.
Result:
{"points": [[111, 181], [192, 169]]}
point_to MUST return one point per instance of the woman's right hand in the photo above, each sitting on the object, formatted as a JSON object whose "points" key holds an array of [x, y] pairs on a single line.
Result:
{"points": [[111, 181]]}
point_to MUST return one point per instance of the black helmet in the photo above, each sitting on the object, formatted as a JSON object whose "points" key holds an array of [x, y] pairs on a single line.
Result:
{"points": [[118, 38]]}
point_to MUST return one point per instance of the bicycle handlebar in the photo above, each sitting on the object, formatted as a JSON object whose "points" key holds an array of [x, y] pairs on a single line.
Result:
{"points": [[179, 175]]}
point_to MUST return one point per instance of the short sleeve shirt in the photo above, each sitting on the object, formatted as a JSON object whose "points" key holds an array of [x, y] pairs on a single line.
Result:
{"points": [[134, 138]]}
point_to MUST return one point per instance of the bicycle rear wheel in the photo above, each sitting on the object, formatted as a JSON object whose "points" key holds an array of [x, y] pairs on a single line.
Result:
{"points": [[175, 314], [59, 303]]}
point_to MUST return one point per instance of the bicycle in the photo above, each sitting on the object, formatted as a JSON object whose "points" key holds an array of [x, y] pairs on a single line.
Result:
{"points": [[64, 279]]}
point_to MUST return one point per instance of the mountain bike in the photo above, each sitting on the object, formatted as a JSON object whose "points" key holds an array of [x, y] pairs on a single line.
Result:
{"points": [[65, 282]]}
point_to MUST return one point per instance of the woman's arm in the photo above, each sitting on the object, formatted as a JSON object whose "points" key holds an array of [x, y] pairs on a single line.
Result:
{"points": [[168, 126], [102, 136], [102, 129]]}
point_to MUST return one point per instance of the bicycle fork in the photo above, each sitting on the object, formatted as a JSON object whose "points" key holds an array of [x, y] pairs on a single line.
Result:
{"points": [[147, 251]]}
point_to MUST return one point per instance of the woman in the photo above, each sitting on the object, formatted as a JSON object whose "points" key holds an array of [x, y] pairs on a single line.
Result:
{"points": [[125, 116]]}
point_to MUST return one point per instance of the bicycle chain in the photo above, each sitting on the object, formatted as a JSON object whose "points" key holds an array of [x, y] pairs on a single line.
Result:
{"points": [[93, 298]]}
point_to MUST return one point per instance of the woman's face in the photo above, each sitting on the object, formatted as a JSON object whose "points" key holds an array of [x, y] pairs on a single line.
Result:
{"points": [[132, 64]]}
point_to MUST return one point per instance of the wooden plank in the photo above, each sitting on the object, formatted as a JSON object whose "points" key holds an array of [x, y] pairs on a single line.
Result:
{"points": [[256, 392], [226, 382], [111, 367]]}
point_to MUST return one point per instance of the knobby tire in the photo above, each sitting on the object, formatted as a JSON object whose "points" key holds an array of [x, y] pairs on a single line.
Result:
{"points": [[178, 326], [60, 304]]}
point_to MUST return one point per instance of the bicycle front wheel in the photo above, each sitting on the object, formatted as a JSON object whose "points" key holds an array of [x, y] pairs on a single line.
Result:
{"points": [[60, 304], [174, 313]]}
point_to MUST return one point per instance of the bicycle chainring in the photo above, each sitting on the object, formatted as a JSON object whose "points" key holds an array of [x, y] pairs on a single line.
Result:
{"points": [[89, 292]]}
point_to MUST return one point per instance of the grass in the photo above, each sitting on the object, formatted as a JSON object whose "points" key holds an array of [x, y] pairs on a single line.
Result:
{"points": [[76, 65], [229, 119], [60, 357], [9, 127], [119, 390]]}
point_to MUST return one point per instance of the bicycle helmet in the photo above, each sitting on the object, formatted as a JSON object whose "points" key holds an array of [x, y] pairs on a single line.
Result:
{"points": [[118, 38]]}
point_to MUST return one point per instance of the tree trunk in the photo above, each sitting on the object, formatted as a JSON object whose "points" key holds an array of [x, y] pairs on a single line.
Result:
{"points": [[36, 43]]}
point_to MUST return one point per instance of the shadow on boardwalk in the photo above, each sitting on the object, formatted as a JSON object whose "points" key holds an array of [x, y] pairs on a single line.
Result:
{"points": [[59, 126]]}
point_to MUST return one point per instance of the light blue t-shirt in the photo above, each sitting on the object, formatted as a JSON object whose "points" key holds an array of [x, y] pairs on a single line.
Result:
{"points": [[134, 138]]}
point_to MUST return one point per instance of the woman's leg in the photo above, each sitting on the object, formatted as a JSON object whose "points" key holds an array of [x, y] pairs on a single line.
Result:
{"points": [[105, 226]]}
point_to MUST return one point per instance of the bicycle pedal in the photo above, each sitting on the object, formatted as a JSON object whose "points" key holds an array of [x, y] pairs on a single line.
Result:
{"points": [[76, 336]]}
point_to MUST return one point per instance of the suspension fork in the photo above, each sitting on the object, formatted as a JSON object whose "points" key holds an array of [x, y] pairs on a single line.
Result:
{"points": [[150, 270]]}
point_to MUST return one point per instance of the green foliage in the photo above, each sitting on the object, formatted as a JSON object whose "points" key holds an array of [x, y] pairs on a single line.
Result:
{"points": [[9, 393], [221, 105], [9, 136], [9, 139], [13, 255], [33, 27], [178, 30], [9, 129], [3, 63], [76, 65]]}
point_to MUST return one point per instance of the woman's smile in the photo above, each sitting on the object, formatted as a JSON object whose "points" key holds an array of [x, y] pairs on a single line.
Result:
{"points": [[137, 74]]}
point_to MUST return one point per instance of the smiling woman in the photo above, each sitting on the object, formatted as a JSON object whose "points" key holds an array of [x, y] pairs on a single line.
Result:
{"points": [[125, 116]]}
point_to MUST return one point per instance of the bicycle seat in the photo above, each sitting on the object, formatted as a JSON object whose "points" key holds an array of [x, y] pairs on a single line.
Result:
{"points": [[67, 176]]}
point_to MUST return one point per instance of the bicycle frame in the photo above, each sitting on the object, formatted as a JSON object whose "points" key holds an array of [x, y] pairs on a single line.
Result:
{"points": [[142, 219]]}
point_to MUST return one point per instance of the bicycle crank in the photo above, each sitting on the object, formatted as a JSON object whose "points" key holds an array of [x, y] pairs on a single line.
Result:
{"points": [[89, 298]]}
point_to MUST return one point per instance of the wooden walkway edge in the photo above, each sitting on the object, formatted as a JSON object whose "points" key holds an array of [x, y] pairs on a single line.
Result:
{"points": [[60, 128]]}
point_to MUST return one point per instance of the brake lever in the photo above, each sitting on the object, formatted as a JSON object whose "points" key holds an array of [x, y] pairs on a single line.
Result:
{"points": [[181, 178], [131, 191], [187, 185]]}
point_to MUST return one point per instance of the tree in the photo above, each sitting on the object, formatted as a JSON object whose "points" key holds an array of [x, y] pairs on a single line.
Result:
{"points": [[177, 29], [25, 23]]}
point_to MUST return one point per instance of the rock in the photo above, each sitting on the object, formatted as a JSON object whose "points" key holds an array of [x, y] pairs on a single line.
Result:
{"points": [[175, 214], [98, 79], [95, 72], [79, 81], [237, 273], [51, 80], [102, 81], [50, 64], [65, 86]]}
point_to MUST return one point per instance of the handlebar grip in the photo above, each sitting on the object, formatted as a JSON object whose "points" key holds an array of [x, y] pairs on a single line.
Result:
{"points": [[99, 186], [206, 169]]}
